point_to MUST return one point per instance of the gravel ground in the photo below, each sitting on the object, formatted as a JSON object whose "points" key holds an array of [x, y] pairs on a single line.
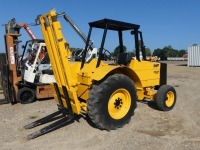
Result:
{"points": [[149, 128]]}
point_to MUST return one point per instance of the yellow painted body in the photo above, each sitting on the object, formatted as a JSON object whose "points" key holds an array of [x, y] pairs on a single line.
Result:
{"points": [[145, 74]]}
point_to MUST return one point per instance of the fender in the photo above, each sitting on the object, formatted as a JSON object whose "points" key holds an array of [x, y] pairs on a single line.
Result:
{"points": [[103, 71], [106, 70]]}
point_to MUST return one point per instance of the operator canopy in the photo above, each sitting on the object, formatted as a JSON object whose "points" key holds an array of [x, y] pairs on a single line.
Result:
{"points": [[113, 25]]}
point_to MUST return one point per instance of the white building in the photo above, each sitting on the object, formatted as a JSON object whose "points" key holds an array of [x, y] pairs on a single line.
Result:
{"points": [[194, 55]]}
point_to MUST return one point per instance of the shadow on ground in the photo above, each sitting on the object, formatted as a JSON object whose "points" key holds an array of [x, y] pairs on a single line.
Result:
{"points": [[151, 104], [184, 65]]}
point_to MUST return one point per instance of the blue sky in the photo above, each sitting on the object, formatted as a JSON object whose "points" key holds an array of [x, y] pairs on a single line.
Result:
{"points": [[163, 22]]}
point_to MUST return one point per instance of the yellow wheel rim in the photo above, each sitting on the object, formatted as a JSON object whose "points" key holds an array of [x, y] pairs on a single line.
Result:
{"points": [[170, 99], [119, 103]]}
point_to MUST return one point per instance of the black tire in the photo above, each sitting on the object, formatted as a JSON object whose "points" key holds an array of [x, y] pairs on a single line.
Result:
{"points": [[26, 95], [166, 97], [104, 95]]}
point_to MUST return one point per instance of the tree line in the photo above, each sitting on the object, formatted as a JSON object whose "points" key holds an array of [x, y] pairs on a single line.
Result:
{"points": [[162, 53], [168, 51]]}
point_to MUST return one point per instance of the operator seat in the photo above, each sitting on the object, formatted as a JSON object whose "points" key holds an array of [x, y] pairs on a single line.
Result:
{"points": [[124, 58]]}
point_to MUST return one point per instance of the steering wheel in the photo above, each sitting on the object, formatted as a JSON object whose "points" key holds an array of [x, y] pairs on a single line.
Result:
{"points": [[106, 55]]}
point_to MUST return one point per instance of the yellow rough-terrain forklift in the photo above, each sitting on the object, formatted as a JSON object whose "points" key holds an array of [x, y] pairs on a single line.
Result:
{"points": [[107, 93]]}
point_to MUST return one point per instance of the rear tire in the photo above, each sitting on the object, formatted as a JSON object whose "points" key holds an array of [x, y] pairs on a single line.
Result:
{"points": [[26, 95], [166, 97], [112, 102]]}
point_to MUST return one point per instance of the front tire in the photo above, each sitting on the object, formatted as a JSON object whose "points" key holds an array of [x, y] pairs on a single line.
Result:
{"points": [[26, 95], [112, 102], [166, 97]]}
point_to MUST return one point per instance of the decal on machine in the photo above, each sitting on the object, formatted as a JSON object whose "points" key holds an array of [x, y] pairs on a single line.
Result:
{"points": [[12, 57]]}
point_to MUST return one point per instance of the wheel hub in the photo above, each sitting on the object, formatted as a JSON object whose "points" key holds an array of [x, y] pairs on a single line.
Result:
{"points": [[118, 103], [26, 95], [169, 99]]}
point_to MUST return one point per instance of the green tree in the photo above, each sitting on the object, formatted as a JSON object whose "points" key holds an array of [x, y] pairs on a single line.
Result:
{"points": [[168, 51], [181, 53], [157, 52], [148, 51], [117, 49], [161, 53]]}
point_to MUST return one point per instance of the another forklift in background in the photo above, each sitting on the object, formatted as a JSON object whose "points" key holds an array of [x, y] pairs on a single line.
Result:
{"points": [[36, 73], [15, 88], [106, 93]]}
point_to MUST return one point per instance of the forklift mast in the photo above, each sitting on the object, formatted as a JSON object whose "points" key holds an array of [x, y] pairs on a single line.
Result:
{"points": [[12, 43], [58, 50], [12, 76]]}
